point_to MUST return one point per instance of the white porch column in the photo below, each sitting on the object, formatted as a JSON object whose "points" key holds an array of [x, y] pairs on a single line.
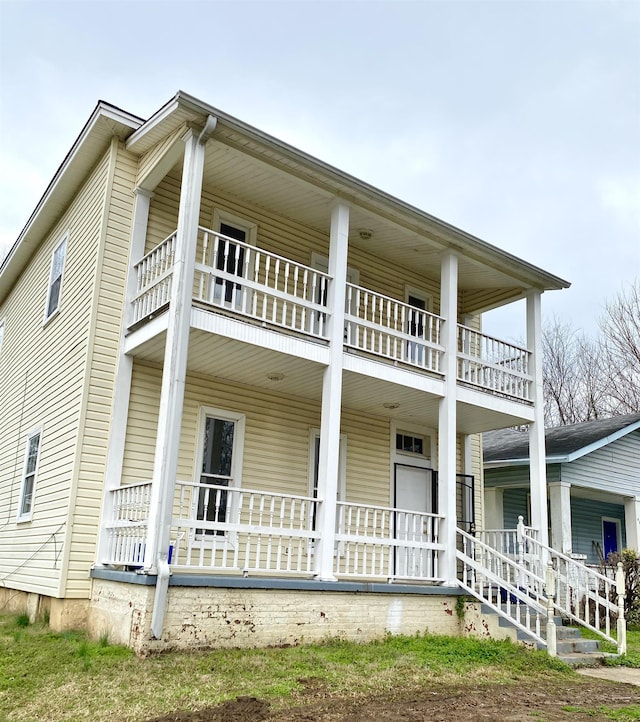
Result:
{"points": [[632, 522], [124, 367], [175, 357], [447, 417], [537, 453], [560, 502], [493, 508], [328, 461]]}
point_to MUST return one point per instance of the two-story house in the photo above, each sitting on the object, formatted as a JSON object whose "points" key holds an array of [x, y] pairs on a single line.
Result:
{"points": [[242, 392]]}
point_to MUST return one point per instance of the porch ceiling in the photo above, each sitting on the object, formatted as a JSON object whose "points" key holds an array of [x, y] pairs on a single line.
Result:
{"points": [[216, 356], [412, 246]]}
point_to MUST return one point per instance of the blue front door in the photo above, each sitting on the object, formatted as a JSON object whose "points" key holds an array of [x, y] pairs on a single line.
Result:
{"points": [[610, 537]]}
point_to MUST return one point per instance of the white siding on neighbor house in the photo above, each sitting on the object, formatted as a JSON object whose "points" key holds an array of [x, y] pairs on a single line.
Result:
{"points": [[108, 304], [614, 468], [42, 371]]}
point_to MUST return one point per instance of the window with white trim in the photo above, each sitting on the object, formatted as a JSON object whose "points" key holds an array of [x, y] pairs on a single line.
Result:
{"points": [[55, 279], [221, 441], [1, 333], [27, 491]]}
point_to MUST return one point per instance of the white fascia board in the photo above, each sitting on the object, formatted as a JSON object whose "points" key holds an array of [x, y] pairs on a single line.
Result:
{"points": [[605, 441], [500, 463], [105, 122], [156, 119]]}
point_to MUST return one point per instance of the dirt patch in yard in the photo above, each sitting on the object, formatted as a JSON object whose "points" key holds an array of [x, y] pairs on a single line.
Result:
{"points": [[577, 700]]}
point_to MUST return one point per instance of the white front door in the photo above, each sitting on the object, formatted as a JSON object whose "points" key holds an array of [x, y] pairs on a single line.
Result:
{"points": [[415, 494]]}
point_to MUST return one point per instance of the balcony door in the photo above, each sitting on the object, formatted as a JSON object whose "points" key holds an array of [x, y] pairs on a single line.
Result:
{"points": [[419, 302]]}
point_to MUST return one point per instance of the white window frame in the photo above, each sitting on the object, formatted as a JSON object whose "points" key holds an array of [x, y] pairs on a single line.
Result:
{"points": [[236, 465], [222, 216], [612, 520], [2, 328], [421, 294], [27, 515], [48, 314]]}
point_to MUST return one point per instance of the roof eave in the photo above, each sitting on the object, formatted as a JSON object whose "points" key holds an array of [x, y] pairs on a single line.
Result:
{"points": [[106, 119], [456, 238]]}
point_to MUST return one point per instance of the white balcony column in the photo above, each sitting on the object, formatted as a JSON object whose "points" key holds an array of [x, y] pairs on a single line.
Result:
{"points": [[328, 461], [560, 502], [176, 347], [447, 420], [537, 466], [493, 508], [632, 522], [124, 367]]}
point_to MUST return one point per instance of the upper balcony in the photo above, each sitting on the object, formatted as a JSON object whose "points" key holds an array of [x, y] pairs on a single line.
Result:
{"points": [[240, 281]]}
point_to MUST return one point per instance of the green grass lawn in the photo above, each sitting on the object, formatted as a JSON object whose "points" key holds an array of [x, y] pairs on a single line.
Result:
{"points": [[48, 676]]}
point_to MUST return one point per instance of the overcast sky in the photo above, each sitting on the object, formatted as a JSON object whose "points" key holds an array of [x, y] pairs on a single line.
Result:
{"points": [[517, 121]]}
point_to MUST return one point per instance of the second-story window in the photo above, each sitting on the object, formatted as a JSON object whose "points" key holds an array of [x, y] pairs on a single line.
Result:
{"points": [[55, 279]]}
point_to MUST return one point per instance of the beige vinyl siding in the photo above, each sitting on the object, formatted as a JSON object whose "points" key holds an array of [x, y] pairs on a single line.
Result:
{"points": [[284, 237], [41, 382], [108, 304], [277, 434], [149, 159]]}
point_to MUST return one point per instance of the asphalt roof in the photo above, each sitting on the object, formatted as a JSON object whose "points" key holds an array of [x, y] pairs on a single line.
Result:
{"points": [[561, 441]]}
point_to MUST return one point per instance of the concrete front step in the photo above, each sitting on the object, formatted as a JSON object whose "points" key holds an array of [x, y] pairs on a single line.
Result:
{"points": [[571, 648]]}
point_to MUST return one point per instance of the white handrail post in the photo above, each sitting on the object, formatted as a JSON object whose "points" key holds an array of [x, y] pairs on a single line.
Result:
{"points": [[550, 583], [622, 623], [520, 540]]}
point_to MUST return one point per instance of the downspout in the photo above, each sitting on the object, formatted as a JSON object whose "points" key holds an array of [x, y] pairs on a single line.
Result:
{"points": [[163, 530]]}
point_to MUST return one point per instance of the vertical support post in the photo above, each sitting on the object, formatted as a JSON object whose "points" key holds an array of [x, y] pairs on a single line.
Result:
{"points": [[622, 622], [493, 508], [537, 466], [447, 421], [328, 461], [550, 584], [560, 503], [632, 522], [174, 371], [124, 369]]}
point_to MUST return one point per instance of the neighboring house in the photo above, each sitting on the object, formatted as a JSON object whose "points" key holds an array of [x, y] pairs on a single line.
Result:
{"points": [[242, 392], [593, 476]]}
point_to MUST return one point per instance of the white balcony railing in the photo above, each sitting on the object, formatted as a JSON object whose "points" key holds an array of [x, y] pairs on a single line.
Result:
{"points": [[392, 329], [493, 365], [126, 530], [376, 541], [153, 280], [251, 282], [243, 280]]}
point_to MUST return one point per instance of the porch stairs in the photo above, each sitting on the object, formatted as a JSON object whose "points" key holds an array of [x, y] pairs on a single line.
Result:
{"points": [[525, 589], [571, 648]]}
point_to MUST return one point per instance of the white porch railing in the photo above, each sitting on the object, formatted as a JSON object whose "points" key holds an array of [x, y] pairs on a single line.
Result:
{"points": [[376, 541], [220, 528], [390, 328], [493, 365], [582, 594], [249, 281], [509, 588], [153, 280], [126, 530], [507, 541]]}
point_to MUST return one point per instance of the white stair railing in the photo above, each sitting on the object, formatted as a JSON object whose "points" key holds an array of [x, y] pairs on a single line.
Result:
{"points": [[583, 595], [506, 587]]}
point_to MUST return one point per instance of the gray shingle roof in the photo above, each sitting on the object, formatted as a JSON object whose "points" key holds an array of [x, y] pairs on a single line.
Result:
{"points": [[561, 441]]}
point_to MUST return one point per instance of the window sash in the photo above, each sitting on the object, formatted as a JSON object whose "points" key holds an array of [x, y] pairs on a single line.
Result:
{"points": [[29, 475], [55, 278]]}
